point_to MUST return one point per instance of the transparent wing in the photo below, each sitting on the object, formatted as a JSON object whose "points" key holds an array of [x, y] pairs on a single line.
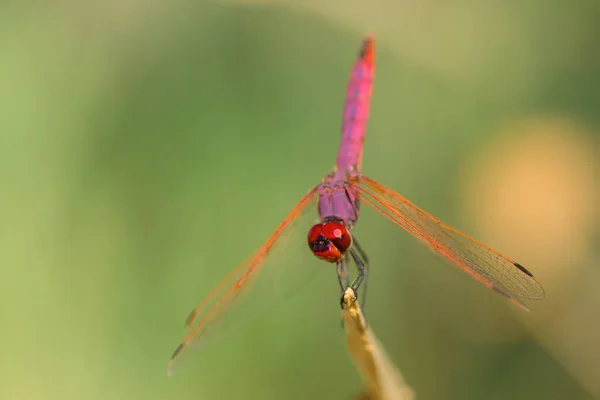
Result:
{"points": [[489, 267], [265, 272]]}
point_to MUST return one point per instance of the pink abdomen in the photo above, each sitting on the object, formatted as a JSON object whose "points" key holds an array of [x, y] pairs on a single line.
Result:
{"points": [[356, 109]]}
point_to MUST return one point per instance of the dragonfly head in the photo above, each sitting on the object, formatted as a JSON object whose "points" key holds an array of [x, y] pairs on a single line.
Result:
{"points": [[329, 241]]}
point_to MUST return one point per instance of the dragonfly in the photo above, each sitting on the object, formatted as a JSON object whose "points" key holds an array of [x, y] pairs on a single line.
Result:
{"points": [[338, 198]]}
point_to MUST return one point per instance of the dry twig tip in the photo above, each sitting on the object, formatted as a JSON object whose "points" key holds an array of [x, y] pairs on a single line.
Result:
{"points": [[381, 376]]}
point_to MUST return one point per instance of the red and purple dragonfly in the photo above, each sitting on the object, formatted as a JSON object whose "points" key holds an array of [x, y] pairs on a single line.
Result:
{"points": [[339, 196]]}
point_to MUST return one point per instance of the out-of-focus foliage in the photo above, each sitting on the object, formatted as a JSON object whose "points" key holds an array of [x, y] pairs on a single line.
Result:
{"points": [[148, 147]]}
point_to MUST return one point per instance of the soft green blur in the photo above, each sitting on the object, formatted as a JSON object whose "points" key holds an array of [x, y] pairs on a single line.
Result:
{"points": [[148, 147]]}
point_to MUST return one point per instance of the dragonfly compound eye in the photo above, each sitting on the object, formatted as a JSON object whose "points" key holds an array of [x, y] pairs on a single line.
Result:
{"points": [[322, 246], [337, 233]]}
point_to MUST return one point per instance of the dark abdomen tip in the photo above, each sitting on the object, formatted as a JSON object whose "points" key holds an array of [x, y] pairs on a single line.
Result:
{"points": [[367, 52]]}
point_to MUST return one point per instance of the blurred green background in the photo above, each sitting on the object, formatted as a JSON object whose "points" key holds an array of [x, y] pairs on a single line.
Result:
{"points": [[148, 147]]}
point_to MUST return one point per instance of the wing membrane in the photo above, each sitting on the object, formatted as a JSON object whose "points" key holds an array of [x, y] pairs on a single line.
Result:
{"points": [[491, 268], [213, 314]]}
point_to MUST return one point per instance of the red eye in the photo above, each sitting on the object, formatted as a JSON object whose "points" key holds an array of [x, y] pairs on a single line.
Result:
{"points": [[329, 241], [314, 233], [337, 233]]}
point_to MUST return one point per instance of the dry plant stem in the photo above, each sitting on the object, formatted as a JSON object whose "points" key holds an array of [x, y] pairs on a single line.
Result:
{"points": [[381, 376]]}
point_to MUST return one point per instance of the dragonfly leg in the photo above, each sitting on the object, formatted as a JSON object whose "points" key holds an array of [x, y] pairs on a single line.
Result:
{"points": [[343, 277], [360, 251], [362, 264]]}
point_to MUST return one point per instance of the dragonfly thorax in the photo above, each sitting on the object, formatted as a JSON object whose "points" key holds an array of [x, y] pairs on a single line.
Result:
{"points": [[338, 200]]}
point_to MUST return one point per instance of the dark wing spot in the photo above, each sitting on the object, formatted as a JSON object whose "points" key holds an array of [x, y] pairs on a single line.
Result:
{"points": [[500, 291], [522, 268], [177, 350], [191, 318]]}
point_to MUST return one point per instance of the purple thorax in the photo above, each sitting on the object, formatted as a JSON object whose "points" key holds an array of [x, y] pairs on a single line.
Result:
{"points": [[337, 200]]}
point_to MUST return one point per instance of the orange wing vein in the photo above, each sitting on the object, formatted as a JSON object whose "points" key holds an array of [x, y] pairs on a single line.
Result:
{"points": [[489, 267], [211, 311]]}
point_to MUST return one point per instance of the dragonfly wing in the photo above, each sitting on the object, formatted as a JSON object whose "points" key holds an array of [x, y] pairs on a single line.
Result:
{"points": [[219, 312], [491, 268]]}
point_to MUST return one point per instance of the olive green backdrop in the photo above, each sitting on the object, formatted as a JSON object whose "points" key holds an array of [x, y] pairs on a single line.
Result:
{"points": [[147, 148]]}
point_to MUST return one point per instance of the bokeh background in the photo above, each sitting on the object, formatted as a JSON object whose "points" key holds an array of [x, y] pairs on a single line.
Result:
{"points": [[148, 147]]}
